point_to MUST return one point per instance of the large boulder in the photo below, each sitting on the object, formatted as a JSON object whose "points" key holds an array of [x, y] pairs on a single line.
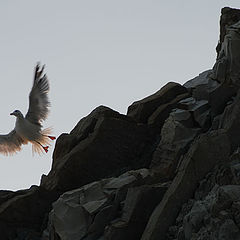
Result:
{"points": [[141, 110], [22, 213], [94, 209], [201, 86], [178, 132], [174, 142], [103, 144], [206, 87], [158, 117], [133, 221]]}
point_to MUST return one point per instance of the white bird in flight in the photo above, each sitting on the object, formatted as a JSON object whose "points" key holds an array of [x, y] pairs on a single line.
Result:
{"points": [[29, 128]]}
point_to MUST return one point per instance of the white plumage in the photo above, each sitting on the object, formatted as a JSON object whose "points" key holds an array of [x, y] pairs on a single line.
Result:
{"points": [[29, 128]]}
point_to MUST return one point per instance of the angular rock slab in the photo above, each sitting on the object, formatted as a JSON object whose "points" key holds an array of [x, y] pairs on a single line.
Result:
{"points": [[201, 86], [206, 151], [158, 117], [106, 144], [199, 110], [230, 122], [229, 16], [141, 110], [175, 139], [138, 206], [84, 213], [204, 87], [22, 214], [227, 66]]}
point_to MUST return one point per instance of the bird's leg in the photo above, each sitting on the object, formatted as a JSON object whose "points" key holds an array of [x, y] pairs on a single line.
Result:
{"points": [[44, 147], [51, 137]]}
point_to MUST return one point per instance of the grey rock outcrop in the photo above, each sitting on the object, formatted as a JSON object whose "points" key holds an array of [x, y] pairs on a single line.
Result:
{"points": [[132, 222], [175, 139], [169, 169], [214, 211], [205, 152], [109, 207], [103, 144], [201, 86], [227, 65], [156, 104], [229, 16], [23, 213]]}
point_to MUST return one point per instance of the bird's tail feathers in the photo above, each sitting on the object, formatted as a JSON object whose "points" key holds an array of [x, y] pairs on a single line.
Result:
{"points": [[47, 131], [41, 146]]}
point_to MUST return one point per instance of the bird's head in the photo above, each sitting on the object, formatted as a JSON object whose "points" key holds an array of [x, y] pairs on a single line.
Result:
{"points": [[17, 113]]}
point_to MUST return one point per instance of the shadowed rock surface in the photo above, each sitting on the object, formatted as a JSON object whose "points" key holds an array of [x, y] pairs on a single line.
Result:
{"points": [[143, 109], [103, 144], [169, 169]]}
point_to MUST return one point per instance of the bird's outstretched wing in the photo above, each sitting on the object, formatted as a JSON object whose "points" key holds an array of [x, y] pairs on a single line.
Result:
{"points": [[38, 97], [10, 143]]}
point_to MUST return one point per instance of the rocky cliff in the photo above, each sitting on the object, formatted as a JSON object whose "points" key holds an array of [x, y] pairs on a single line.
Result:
{"points": [[168, 169]]}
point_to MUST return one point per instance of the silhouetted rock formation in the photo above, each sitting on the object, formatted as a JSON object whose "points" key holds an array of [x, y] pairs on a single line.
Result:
{"points": [[103, 144], [229, 17], [169, 169], [213, 212]]}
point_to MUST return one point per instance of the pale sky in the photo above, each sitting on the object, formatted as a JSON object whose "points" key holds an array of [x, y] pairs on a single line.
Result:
{"points": [[97, 52]]}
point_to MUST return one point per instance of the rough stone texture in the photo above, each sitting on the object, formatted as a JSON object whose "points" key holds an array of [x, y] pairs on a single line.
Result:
{"points": [[84, 213], [185, 137], [84, 128], [143, 109], [229, 16], [226, 69], [22, 214], [132, 222], [159, 116], [201, 86], [235, 168], [175, 139], [219, 98], [105, 144], [209, 149], [214, 212], [230, 121], [179, 130]]}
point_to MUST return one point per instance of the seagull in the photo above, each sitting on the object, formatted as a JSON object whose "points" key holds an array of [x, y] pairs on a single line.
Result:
{"points": [[29, 128]]}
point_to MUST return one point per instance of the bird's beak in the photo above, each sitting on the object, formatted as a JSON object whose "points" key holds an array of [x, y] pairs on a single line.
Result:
{"points": [[11, 113]]}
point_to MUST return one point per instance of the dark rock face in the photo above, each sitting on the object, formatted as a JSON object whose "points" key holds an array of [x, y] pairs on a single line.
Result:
{"points": [[230, 121], [229, 17], [213, 213], [169, 169], [132, 222], [103, 144], [142, 110], [226, 68], [178, 131], [22, 214], [95, 206], [158, 117], [204, 153]]}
